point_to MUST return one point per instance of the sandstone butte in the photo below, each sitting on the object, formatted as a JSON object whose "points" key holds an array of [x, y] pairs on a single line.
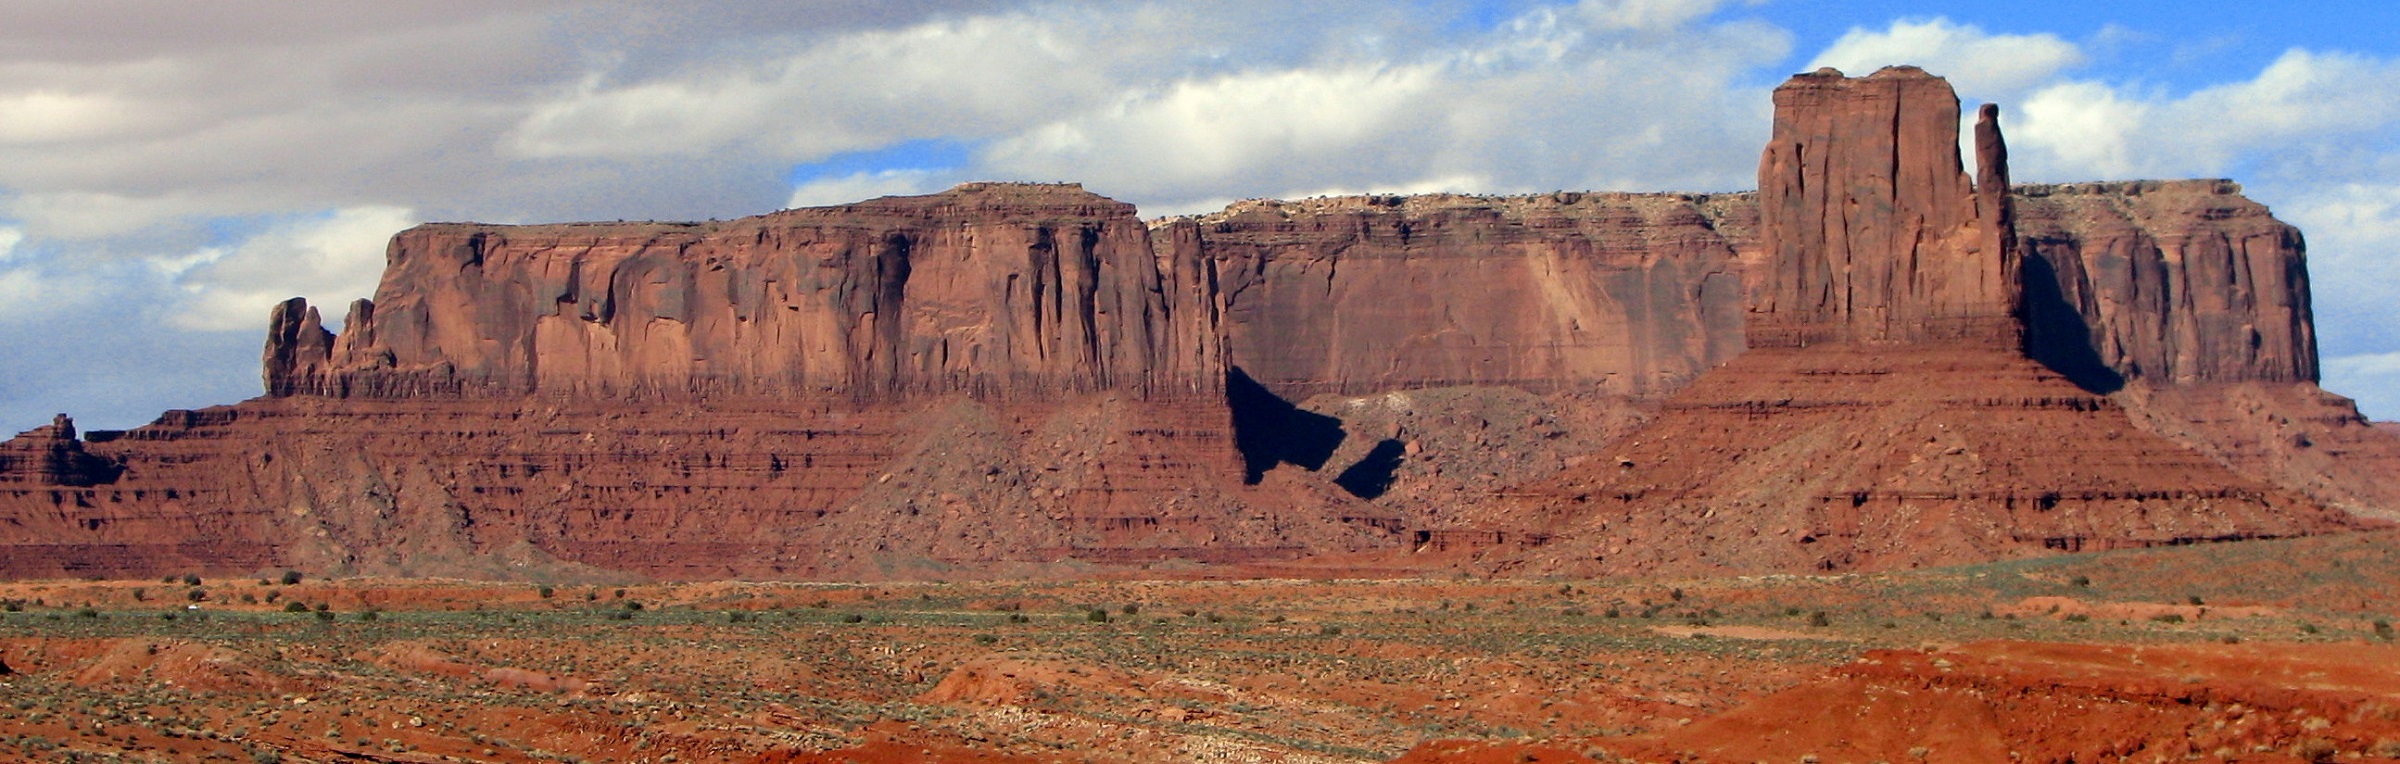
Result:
{"points": [[1875, 361]]}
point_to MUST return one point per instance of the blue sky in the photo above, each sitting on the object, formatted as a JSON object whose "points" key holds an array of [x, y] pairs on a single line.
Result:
{"points": [[168, 172]]}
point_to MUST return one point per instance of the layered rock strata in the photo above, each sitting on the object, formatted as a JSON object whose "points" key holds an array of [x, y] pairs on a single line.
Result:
{"points": [[1012, 379], [751, 488], [997, 378], [2174, 282], [998, 290], [1623, 294], [1892, 417], [1846, 456]]}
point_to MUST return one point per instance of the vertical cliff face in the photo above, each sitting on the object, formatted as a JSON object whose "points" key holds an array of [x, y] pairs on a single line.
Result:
{"points": [[1628, 294], [52, 455], [1870, 228], [1003, 290], [2173, 282], [1891, 418]]}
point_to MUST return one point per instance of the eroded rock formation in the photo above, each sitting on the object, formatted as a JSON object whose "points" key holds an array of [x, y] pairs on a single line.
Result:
{"points": [[1010, 379], [1892, 417], [2174, 282], [991, 289], [1625, 294], [1872, 231]]}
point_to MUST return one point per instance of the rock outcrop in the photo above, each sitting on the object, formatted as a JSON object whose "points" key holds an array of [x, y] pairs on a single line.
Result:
{"points": [[1871, 230], [1892, 418], [2173, 282], [1624, 294], [1025, 380], [52, 455], [751, 488], [1845, 456], [997, 290]]}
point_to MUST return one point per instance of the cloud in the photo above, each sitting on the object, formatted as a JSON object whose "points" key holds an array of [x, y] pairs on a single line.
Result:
{"points": [[1645, 15], [869, 185], [1548, 100], [2353, 232], [2300, 117], [1270, 127], [1982, 66], [330, 259], [974, 75]]}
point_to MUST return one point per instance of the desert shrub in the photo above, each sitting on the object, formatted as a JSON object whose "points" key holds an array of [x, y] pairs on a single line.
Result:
{"points": [[1329, 630], [1096, 615], [986, 639], [2383, 629], [2078, 618], [2168, 618], [1818, 618], [1133, 608], [196, 595], [2314, 750], [324, 614], [191, 580], [853, 618], [547, 591], [87, 613], [2081, 582], [291, 577], [1019, 618], [295, 606]]}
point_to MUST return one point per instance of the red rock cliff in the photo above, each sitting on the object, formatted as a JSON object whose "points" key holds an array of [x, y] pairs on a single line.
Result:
{"points": [[2174, 282], [1003, 290], [1893, 418], [1870, 227], [1622, 293]]}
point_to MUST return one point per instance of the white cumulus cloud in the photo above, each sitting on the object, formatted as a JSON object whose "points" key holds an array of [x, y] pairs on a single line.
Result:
{"points": [[329, 259], [869, 185], [1982, 66]]}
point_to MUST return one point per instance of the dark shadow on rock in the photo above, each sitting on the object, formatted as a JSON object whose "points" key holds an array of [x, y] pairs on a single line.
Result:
{"points": [[1269, 430], [2057, 335], [1372, 475]]}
